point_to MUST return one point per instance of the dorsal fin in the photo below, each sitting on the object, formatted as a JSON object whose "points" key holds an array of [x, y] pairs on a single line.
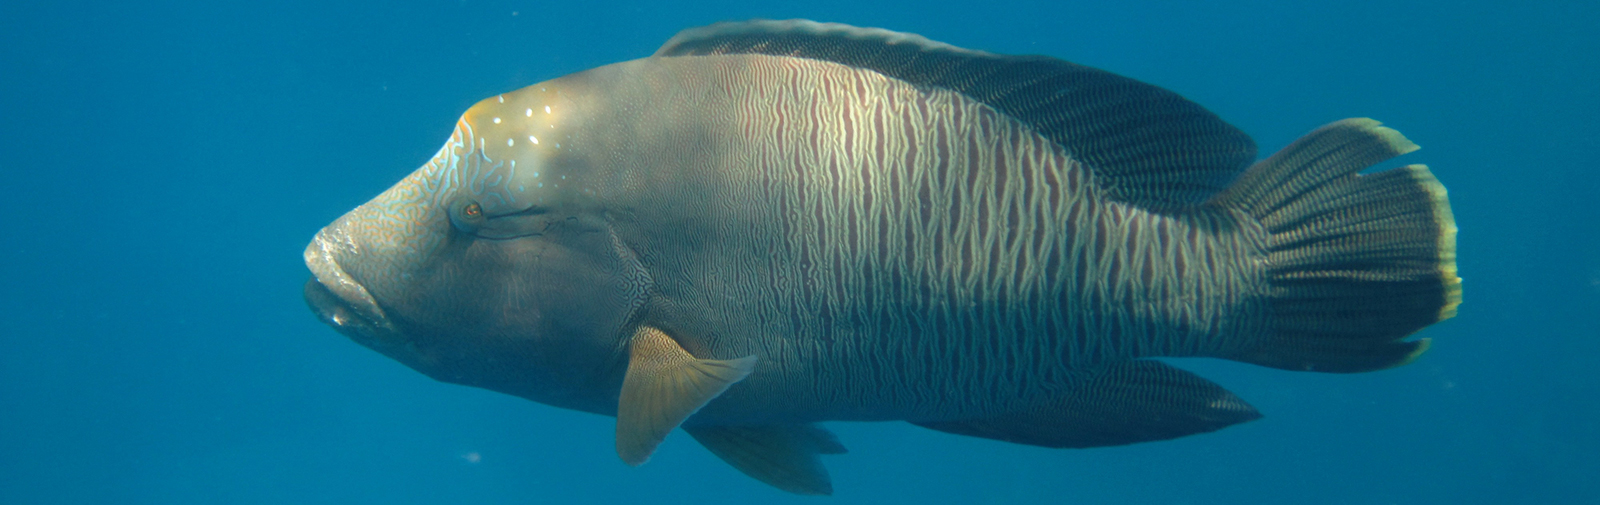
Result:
{"points": [[1146, 145]]}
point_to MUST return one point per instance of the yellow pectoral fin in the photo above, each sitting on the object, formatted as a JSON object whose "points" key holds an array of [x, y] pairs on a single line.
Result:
{"points": [[665, 385]]}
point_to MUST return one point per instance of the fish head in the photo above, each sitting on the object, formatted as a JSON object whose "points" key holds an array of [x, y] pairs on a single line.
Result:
{"points": [[492, 265]]}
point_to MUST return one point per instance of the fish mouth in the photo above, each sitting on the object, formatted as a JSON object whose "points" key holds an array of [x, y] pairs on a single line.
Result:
{"points": [[337, 298]]}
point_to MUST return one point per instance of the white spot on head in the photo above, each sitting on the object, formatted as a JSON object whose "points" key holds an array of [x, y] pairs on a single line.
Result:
{"points": [[496, 120], [541, 184], [502, 98], [533, 139], [510, 142], [547, 109], [530, 112], [536, 175]]}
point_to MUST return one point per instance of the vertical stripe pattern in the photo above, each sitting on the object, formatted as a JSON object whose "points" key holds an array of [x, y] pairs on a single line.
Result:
{"points": [[894, 248]]}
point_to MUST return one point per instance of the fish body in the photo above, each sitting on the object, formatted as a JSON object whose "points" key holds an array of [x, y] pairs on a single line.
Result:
{"points": [[771, 224]]}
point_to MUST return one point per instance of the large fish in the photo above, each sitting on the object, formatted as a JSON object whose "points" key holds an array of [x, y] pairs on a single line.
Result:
{"points": [[770, 224]]}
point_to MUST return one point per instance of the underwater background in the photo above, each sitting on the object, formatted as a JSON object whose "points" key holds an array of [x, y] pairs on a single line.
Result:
{"points": [[164, 163]]}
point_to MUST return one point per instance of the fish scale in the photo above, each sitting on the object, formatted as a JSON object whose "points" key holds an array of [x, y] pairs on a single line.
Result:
{"points": [[952, 255]]}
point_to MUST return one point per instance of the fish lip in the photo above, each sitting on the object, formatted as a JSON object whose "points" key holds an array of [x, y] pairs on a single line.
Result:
{"points": [[336, 313], [337, 298]]}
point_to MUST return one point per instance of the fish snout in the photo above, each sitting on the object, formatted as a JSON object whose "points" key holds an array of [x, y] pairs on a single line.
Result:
{"points": [[337, 298]]}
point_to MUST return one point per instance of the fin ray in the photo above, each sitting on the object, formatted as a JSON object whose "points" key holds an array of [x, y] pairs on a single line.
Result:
{"points": [[663, 386], [1119, 404], [1147, 145], [783, 456], [1356, 262]]}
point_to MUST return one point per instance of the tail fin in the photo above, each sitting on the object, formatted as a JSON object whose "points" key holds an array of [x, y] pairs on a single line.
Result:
{"points": [[1356, 262]]}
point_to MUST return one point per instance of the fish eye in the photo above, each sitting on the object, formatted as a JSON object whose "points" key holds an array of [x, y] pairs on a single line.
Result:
{"points": [[467, 216]]}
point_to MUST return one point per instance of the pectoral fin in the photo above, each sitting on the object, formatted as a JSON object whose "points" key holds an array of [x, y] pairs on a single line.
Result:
{"points": [[665, 385], [784, 456], [1124, 403]]}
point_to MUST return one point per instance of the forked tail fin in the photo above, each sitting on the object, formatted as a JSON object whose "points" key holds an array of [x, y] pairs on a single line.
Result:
{"points": [[1356, 262]]}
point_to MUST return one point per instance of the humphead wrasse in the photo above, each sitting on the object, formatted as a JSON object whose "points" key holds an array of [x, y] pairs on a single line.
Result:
{"points": [[771, 224]]}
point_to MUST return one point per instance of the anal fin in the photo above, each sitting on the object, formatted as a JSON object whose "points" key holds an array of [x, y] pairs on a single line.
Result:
{"points": [[1119, 404], [783, 456], [665, 385]]}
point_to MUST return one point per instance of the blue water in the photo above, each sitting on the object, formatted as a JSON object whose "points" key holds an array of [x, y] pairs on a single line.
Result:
{"points": [[162, 165]]}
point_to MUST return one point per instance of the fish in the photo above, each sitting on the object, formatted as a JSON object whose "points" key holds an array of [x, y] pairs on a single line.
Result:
{"points": [[768, 225]]}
